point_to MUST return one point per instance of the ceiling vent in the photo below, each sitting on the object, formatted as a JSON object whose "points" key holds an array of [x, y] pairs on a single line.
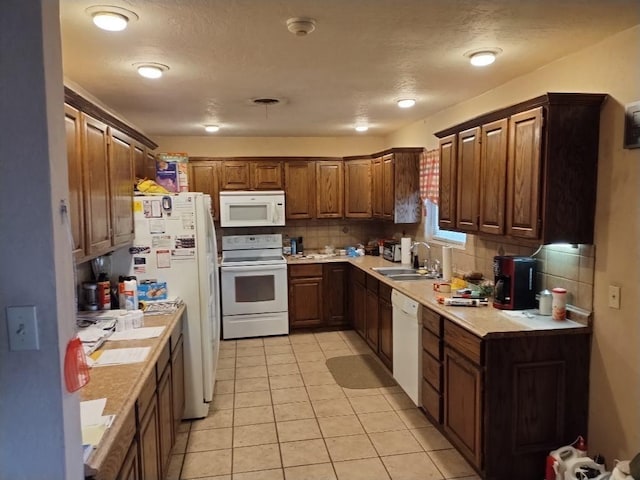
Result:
{"points": [[301, 26], [266, 102]]}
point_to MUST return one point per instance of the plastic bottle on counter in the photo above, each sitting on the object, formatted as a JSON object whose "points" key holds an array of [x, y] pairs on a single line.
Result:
{"points": [[294, 246], [128, 293], [138, 318]]}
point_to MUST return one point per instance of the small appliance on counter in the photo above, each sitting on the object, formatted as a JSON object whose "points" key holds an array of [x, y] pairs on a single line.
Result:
{"points": [[391, 250], [515, 282]]}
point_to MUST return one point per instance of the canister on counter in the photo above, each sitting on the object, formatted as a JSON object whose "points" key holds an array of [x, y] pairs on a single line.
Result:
{"points": [[559, 304]]}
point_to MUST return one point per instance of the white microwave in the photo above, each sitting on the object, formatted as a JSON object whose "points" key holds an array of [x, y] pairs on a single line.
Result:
{"points": [[242, 208]]}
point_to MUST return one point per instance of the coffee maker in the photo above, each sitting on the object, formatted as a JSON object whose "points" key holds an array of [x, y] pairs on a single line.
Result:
{"points": [[515, 282]]}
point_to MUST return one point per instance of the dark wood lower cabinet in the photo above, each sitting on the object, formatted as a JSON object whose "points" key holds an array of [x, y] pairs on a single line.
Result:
{"points": [[372, 319], [318, 295], [385, 317], [130, 469], [305, 296], [177, 383], [463, 405], [148, 440], [508, 401], [165, 419], [334, 294], [357, 300]]}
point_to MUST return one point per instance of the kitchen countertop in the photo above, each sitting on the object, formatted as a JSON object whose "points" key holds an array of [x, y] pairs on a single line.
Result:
{"points": [[121, 386], [483, 321]]}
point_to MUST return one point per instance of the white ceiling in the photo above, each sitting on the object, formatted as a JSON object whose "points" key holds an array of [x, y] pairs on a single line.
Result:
{"points": [[364, 55]]}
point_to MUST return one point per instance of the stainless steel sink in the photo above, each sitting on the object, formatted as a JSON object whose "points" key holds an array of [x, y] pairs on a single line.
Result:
{"points": [[399, 273], [394, 270], [412, 276]]}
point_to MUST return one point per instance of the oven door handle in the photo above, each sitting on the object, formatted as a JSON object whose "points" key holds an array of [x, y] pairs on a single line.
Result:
{"points": [[254, 268]]}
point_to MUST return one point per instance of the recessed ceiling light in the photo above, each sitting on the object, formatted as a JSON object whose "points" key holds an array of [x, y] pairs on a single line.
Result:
{"points": [[113, 22], [211, 128], [150, 69], [361, 128], [406, 103], [110, 18], [482, 57]]}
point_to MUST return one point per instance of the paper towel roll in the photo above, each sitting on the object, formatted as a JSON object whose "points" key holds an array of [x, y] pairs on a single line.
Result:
{"points": [[446, 264], [405, 250]]}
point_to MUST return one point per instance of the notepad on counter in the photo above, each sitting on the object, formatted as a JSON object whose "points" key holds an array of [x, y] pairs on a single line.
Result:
{"points": [[93, 423], [137, 334], [120, 356]]}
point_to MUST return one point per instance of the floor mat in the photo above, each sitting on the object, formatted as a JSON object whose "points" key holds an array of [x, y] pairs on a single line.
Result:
{"points": [[359, 371]]}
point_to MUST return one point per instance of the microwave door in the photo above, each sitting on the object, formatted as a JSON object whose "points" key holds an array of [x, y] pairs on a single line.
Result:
{"points": [[247, 213]]}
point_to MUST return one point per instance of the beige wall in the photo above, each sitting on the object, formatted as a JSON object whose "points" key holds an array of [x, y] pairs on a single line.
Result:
{"points": [[270, 146], [613, 67]]}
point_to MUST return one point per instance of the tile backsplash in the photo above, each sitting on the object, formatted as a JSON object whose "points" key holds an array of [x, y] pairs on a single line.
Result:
{"points": [[317, 234]]}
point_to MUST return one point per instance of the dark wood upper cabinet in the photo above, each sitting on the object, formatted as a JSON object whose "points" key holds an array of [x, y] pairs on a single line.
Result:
{"points": [[104, 155], [448, 182], [204, 176], [121, 182], [523, 174], [376, 187], [300, 189], [95, 157], [550, 173], [493, 172], [468, 188], [235, 175], [75, 170], [357, 188], [329, 189], [388, 187], [251, 175]]}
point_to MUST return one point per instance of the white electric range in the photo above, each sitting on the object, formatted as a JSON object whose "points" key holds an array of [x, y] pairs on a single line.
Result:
{"points": [[253, 286]]}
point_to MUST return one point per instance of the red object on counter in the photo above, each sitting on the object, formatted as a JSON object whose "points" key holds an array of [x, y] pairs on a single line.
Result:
{"points": [[76, 370]]}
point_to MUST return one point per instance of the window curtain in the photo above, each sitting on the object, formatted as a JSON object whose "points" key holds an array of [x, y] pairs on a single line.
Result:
{"points": [[429, 177]]}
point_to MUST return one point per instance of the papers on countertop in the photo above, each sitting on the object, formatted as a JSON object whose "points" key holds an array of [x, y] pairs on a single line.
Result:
{"points": [[120, 356], [93, 423], [137, 334]]}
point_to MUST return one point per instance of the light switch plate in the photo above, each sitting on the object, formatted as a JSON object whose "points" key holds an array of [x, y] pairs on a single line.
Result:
{"points": [[614, 297], [23, 328]]}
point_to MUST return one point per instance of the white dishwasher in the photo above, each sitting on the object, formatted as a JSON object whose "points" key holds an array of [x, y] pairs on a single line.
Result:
{"points": [[406, 344]]}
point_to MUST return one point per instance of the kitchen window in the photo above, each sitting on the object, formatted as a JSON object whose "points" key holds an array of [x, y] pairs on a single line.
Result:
{"points": [[429, 176], [434, 233]]}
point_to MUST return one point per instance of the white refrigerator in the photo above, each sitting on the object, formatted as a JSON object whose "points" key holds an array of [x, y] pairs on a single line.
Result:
{"points": [[175, 242]]}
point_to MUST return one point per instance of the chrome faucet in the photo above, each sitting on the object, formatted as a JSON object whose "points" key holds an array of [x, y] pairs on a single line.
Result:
{"points": [[414, 251]]}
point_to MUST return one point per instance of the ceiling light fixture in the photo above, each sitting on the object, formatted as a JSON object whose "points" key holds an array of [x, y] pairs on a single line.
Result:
{"points": [[301, 26], [361, 128], [110, 18], [211, 128], [151, 69], [406, 103], [482, 57]]}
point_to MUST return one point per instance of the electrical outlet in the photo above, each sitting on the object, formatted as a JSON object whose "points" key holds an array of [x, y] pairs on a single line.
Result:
{"points": [[23, 328], [614, 297]]}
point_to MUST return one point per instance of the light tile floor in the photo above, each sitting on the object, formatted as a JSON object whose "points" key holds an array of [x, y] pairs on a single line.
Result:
{"points": [[278, 414]]}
